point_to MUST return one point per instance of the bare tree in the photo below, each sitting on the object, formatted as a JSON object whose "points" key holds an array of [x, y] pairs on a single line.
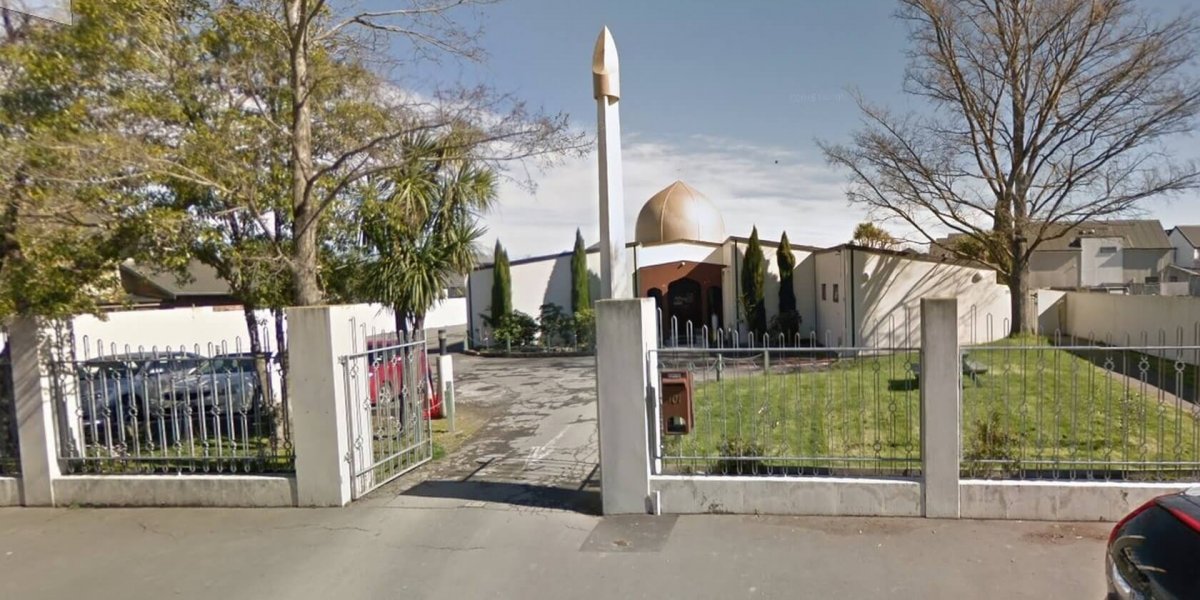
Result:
{"points": [[1045, 114]]}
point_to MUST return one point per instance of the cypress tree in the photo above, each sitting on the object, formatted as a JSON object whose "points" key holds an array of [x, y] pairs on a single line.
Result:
{"points": [[501, 286], [754, 271], [580, 294], [787, 264]]}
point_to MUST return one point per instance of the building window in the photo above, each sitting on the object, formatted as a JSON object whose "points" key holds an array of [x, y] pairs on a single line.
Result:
{"points": [[822, 292], [835, 292], [1107, 250]]}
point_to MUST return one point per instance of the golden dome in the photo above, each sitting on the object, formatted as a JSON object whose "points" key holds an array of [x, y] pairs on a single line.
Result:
{"points": [[679, 213]]}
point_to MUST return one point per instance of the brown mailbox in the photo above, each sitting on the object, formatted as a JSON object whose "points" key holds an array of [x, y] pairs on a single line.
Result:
{"points": [[677, 416]]}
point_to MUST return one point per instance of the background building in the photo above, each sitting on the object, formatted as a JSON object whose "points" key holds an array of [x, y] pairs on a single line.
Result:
{"points": [[683, 258]]}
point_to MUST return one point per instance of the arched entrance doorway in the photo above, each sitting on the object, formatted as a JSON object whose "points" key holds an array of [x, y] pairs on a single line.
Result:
{"points": [[687, 305]]}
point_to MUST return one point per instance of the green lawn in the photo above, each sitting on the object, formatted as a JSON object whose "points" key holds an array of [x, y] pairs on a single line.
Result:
{"points": [[1037, 412]]}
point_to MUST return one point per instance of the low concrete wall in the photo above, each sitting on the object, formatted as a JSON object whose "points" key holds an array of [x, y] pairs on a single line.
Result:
{"points": [[1056, 501], [787, 496], [10, 491], [175, 490]]}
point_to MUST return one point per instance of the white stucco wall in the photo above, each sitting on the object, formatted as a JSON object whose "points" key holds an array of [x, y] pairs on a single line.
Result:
{"points": [[1138, 264], [1136, 320], [804, 280], [211, 330], [831, 328], [1052, 312], [1054, 268], [1185, 255], [1097, 268], [661, 254], [888, 295], [534, 283]]}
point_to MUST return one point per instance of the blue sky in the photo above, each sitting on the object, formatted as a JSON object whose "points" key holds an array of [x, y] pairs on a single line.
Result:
{"points": [[728, 96]]}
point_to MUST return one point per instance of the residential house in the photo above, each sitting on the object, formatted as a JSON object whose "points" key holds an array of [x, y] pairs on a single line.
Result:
{"points": [[1116, 255]]}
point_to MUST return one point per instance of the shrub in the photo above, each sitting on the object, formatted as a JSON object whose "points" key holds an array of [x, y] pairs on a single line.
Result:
{"points": [[554, 325], [517, 329], [990, 440], [585, 328]]}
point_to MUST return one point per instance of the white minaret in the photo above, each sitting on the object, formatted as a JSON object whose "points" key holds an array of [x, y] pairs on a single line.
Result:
{"points": [[606, 88]]}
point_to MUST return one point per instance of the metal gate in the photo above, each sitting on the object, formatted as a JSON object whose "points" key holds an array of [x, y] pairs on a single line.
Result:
{"points": [[389, 392]]}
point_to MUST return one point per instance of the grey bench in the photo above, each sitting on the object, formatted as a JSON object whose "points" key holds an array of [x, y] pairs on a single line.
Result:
{"points": [[970, 368]]}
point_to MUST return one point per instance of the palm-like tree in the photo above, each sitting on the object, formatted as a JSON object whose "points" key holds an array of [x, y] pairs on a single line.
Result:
{"points": [[421, 225]]}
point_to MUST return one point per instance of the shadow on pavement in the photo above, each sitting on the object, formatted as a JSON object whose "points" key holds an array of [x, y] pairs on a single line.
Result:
{"points": [[519, 494]]}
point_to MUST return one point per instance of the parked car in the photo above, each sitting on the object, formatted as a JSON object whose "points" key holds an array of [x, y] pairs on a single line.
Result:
{"points": [[224, 383], [386, 375], [121, 387], [1154, 552]]}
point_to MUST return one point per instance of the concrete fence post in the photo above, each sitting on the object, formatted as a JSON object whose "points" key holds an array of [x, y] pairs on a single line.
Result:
{"points": [[941, 407], [34, 404], [318, 337], [626, 386]]}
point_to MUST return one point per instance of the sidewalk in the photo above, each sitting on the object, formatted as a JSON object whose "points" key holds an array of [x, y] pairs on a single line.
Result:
{"points": [[442, 548]]}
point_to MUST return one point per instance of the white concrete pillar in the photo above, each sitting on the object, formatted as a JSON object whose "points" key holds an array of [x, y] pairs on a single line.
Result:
{"points": [[35, 411], [317, 337], [627, 388], [941, 407]]}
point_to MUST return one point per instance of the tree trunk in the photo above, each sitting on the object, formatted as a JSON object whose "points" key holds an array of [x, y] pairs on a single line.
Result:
{"points": [[283, 425], [1024, 313], [252, 329], [307, 290]]}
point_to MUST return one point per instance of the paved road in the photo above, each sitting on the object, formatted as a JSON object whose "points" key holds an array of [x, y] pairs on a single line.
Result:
{"points": [[538, 447], [522, 525]]}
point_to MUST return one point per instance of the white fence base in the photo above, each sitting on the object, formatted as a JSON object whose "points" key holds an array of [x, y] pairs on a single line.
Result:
{"points": [[818, 496], [10, 491], [175, 490], [1057, 500]]}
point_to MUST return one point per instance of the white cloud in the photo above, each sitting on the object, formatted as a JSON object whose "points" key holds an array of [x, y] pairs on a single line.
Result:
{"points": [[772, 188]]}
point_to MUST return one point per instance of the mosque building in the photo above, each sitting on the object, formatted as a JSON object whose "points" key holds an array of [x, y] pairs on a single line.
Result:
{"points": [[684, 259]]}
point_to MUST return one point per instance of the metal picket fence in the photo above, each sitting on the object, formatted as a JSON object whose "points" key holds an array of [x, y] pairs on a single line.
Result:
{"points": [[211, 409], [770, 406], [1079, 410]]}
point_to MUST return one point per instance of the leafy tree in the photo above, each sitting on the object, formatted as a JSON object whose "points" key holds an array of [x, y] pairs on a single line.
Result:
{"points": [[516, 329], [1044, 115], [554, 325], [788, 320], [420, 224], [873, 236], [786, 261], [501, 286], [70, 210], [754, 271], [580, 292]]}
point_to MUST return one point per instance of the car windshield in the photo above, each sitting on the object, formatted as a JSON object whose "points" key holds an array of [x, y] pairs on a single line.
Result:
{"points": [[104, 369], [169, 364], [241, 364]]}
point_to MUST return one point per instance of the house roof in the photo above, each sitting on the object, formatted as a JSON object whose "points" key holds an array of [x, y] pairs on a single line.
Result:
{"points": [[1135, 233], [1145, 234], [1191, 233], [200, 280]]}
